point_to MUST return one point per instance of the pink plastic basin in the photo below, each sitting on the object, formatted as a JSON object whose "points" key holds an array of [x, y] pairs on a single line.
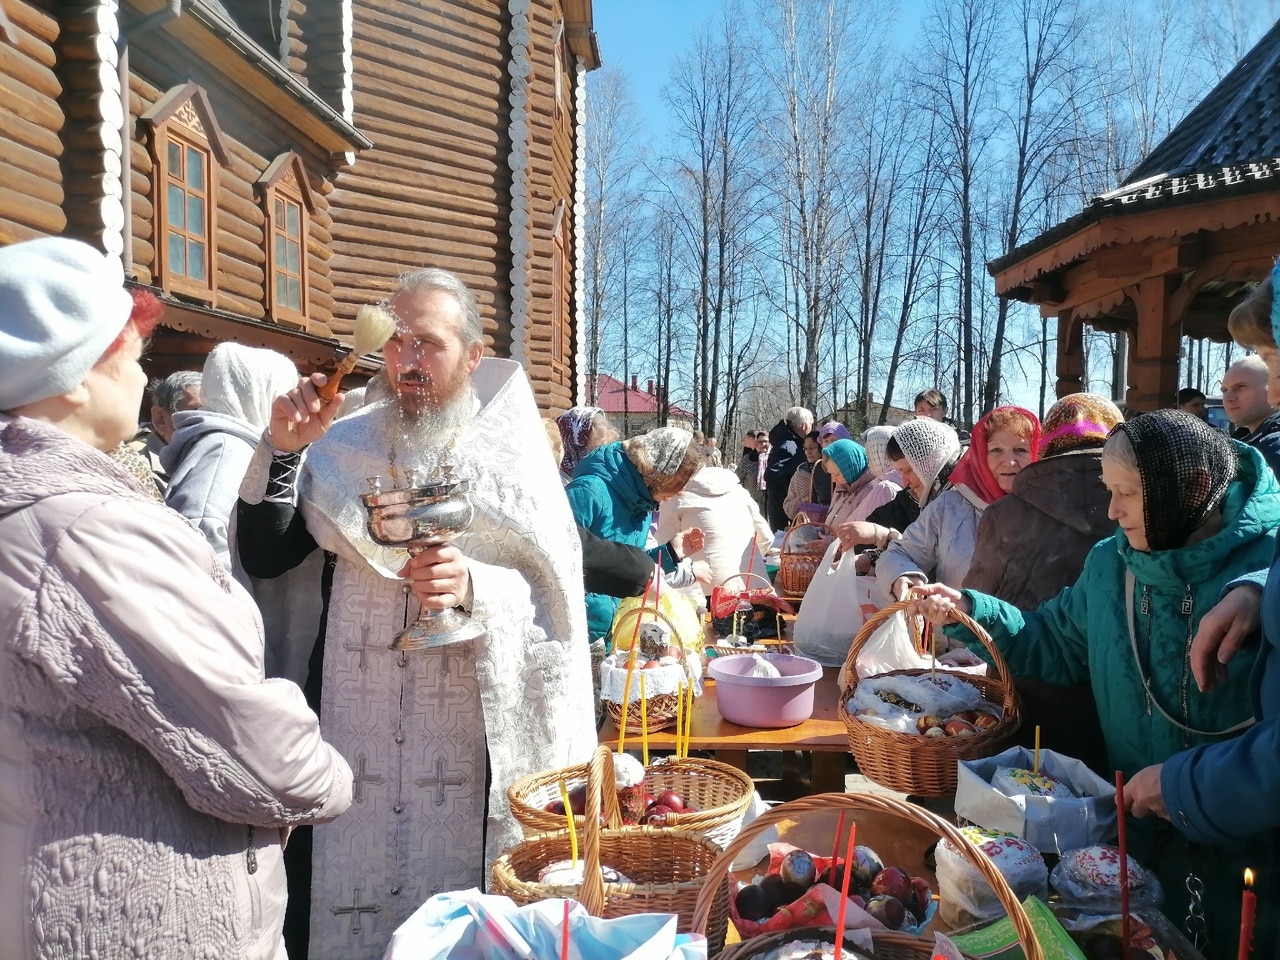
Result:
{"points": [[765, 701]]}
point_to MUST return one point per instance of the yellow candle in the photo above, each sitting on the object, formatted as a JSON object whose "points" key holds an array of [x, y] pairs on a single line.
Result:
{"points": [[1036, 768], [688, 720], [573, 827], [679, 717], [644, 721]]}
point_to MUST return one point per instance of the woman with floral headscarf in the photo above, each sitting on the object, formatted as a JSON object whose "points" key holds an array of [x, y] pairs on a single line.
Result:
{"points": [[618, 486], [582, 429], [939, 545], [1196, 511]]}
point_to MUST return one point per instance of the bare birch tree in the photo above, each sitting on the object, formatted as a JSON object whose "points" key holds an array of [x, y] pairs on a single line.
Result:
{"points": [[957, 83], [714, 102], [1036, 126], [607, 172], [807, 59]]}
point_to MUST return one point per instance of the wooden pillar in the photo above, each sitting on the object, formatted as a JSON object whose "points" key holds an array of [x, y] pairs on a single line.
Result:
{"points": [[1153, 365], [1070, 355]]}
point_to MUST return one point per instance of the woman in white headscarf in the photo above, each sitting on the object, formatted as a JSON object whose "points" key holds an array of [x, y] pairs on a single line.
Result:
{"points": [[886, 481], [212, 447]]}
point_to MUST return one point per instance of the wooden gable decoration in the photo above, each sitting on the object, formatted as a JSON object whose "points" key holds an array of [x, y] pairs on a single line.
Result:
{"points": [[188, 105], [287, 171]]}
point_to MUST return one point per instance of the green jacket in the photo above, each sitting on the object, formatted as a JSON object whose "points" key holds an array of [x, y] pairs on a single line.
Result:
{"points": [[1080, 636]]}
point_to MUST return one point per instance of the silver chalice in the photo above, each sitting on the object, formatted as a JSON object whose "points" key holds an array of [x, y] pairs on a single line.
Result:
{"points": [[413, 518]]}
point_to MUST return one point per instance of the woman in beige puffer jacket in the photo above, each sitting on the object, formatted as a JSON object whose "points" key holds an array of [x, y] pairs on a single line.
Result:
{"points": [[147, 770]]}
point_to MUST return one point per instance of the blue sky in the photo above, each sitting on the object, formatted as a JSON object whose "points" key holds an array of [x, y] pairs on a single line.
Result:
{"points": [[642, 37]]}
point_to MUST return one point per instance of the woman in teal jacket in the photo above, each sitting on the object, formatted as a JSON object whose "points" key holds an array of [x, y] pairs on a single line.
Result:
{"points": [[1196, 511], [617, 486]]}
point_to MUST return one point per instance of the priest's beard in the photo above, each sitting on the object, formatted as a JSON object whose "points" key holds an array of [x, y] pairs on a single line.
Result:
{"points": [[422, 438]]}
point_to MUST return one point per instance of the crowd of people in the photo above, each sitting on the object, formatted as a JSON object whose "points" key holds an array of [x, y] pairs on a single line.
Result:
{"points": [[200, 691]]}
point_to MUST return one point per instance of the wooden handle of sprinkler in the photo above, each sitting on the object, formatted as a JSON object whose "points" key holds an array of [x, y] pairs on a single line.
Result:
{"points": [[330, 388]]}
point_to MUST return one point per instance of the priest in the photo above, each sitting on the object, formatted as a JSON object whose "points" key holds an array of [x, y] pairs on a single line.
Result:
{"points": [[434, 736]]}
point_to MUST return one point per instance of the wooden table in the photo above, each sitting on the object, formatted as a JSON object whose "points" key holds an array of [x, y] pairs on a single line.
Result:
{"points": [[823, 734]]}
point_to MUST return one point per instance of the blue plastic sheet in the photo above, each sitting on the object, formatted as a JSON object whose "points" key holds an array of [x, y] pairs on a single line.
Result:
{"points": [[470, 925]]}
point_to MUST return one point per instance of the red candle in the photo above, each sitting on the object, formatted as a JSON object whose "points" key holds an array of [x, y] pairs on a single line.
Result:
{"points": [[1124, 863], [564, 934], [1248, 907], [844, 889], [835, 851]]}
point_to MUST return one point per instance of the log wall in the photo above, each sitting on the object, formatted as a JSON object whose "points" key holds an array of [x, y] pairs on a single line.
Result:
{"points": [[551, 165], [313, 47], [431, 93], [31, 182], [253, 141]]}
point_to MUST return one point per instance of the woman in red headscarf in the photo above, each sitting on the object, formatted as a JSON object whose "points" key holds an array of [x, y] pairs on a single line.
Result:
{"points": [[939, 545]]}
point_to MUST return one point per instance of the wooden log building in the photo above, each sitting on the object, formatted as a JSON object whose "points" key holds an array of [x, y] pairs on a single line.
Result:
{"points": [[268, 167], [1169, 252]]}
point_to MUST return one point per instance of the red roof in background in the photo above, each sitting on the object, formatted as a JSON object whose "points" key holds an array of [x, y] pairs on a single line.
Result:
{"points": [[614, 396]]}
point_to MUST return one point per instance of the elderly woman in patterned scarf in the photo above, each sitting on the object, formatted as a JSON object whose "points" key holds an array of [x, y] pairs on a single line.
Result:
{"points": [[582, 429], [1195, 511]]}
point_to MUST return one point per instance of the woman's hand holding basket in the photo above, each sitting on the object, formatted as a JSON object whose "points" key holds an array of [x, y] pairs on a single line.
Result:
{"points": [[936, 602]]}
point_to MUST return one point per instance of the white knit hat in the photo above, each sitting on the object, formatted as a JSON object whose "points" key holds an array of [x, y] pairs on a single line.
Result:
{"points": [[928, 446], [62, 303]]}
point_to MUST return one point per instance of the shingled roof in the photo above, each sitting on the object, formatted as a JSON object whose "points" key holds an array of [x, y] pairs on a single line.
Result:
{"points": [[1229, 144], [1237, 122]]}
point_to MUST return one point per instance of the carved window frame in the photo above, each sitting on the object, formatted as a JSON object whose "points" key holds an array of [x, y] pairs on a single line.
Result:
{"points": [[284, 185], [183, 119], [562, 58]]}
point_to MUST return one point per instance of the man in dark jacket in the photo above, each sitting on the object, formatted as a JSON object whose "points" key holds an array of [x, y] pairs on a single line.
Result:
{"points": [[1244, 400], [786, 453]]}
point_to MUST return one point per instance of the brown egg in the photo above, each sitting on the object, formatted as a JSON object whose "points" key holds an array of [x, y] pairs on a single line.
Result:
{"points": [[955, 727], [926, 723]]}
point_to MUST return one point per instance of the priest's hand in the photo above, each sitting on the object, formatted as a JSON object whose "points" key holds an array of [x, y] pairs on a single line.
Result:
{"points": [[1142, 794], [439, 577], [300, 417]]}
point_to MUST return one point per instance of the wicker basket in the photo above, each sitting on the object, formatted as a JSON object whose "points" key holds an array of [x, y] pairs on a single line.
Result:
{"points": [[908, 762], [724, 650], [720, 792], [889, 944], [796, 569], [661, 708], [668, 868]]}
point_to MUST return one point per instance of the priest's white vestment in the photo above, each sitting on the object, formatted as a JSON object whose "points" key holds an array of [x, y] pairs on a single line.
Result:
{"points": [[416, 726]]}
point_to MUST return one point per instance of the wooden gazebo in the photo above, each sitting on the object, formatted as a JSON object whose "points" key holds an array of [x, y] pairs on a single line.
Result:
{"points": [[1168, 253]]}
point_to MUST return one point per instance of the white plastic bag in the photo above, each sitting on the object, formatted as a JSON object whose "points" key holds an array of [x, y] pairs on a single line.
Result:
{"points": [[835, 606], [891, 648]]}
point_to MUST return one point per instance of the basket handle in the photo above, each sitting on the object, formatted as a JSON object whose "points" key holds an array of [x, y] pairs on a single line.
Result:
{"points": [[782, 548], [657, 614], [744, 578], [599, 773], [719, 871], [874, 621]]}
